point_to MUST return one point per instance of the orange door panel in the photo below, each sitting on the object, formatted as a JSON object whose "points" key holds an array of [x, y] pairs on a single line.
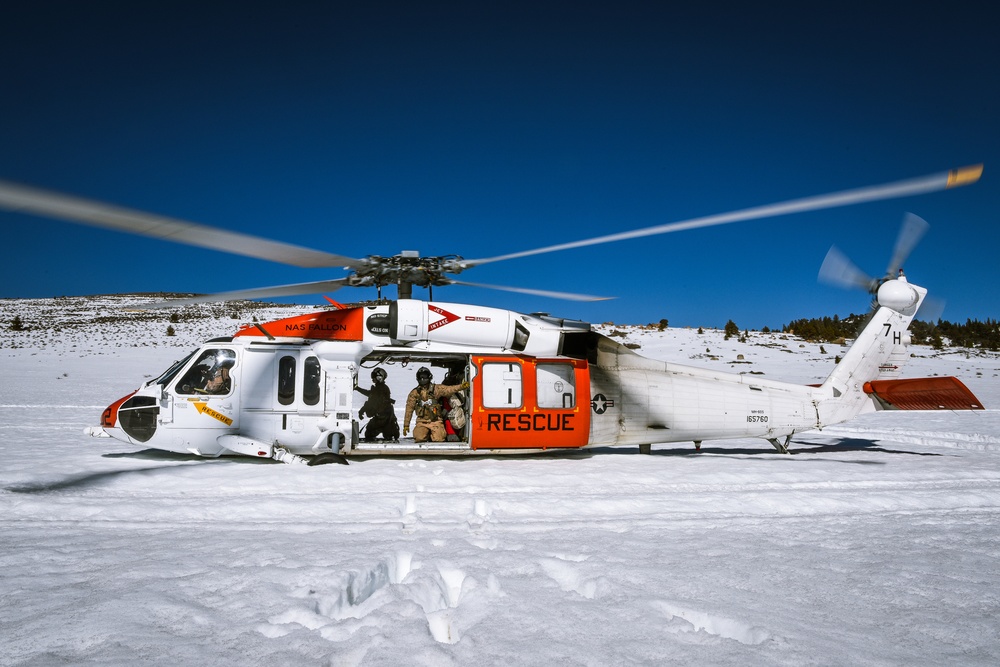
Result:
{"points": [[528, 403]]}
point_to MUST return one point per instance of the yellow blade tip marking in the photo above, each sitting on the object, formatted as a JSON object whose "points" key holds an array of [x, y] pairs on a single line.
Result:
{"points": [[964, 176]]}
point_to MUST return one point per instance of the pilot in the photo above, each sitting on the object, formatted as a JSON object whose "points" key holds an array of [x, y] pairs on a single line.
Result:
{"points": [[379, 407], [425, 400], [218, 380]]}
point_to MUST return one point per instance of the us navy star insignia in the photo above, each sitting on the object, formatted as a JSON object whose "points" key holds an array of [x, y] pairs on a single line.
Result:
{"points": [[600, 404]]}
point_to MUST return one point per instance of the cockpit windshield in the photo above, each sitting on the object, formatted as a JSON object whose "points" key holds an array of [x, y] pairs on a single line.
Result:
{"points": [[174, 369]]}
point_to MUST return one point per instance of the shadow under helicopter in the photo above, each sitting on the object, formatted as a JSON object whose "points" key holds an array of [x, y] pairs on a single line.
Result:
{"points": [[841, 445], [86, 480]]}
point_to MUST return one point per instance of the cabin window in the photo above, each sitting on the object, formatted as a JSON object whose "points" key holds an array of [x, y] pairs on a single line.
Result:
{"points": [[502, 386], [210, 375], [556, 386], [286, 380], [311, 383]]}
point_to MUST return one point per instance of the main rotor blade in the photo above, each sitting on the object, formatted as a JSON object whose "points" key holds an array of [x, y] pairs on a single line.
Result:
{"points": [[913, 186], [838, 270], [913, 229], [258, 293], [46, 203], [536, 292]]}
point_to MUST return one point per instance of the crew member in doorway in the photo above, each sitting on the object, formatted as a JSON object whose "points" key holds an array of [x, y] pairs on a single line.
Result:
{"points": [[379, 407], [425, 400], [454, 407]]}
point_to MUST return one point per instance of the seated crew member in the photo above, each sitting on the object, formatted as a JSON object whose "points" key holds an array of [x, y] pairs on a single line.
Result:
{"points": [[379, 407], [218, 383], [425, 400], [453, 406], [217, 378]]}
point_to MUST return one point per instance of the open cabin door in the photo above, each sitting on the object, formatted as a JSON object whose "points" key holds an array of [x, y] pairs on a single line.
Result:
{"points": [[527, 403]]}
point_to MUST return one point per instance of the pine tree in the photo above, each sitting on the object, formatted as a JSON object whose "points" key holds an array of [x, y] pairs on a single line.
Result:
{"points": [[731, 330]]}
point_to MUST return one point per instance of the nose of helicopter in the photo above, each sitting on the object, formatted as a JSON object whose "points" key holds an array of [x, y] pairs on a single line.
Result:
{"points": [[132, 418], [109, 418]]}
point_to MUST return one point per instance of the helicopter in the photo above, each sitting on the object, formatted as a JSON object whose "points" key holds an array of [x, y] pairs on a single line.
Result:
{"points": [[290, 390]]}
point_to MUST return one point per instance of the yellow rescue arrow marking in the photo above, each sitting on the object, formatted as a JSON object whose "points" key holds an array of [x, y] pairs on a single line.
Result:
{"points": [[203, 409]]}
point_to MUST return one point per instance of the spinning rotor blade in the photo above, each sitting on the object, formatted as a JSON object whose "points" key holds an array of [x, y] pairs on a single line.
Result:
{"points": [[840, 271], [913, 229], [930, 309], [258, 293], [536, 292], [914, 186], [21, 198]]}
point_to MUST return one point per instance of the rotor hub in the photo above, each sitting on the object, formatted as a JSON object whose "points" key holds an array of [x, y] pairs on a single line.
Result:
{"points": [[408, 267]]}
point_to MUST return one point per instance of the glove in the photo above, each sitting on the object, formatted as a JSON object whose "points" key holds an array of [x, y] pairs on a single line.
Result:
{"points": [[465, 385], [406, 430]]}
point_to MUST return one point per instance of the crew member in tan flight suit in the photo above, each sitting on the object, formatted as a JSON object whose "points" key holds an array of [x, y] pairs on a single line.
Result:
{"points": [[425, 399]]}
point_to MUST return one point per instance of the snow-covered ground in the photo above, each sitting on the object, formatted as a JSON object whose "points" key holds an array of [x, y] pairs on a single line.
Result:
{"points": [[875, 542]]}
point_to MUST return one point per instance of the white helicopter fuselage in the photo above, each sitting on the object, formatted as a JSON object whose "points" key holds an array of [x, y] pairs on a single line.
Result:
{"points": [[290, 388], [535, 383]]}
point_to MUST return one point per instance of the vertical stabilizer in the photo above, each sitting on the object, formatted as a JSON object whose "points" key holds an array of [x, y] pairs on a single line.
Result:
{"points": [[878, 352]]}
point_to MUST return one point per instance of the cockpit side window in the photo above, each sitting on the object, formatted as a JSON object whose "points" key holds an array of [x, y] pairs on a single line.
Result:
{"points": [[210, 374]]}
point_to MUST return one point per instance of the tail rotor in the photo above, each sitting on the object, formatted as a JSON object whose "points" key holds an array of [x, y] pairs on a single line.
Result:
{"points": [[840, 271]]}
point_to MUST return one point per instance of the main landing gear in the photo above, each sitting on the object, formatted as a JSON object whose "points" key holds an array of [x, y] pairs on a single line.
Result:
{"points": [[781, 446]]}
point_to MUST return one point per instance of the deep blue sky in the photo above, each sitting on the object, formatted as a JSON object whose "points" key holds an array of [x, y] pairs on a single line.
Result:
{"points": [[480, 128]]}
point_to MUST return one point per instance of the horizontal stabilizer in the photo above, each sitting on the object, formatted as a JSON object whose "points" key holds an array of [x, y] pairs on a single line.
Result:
{"points": [[935, 393]]}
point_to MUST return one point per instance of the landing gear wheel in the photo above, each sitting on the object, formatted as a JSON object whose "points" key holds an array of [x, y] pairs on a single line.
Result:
{"points": [[327, 457]]}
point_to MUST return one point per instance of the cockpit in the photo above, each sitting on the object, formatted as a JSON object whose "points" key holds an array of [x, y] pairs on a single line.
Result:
{"points": [[210, 374]]}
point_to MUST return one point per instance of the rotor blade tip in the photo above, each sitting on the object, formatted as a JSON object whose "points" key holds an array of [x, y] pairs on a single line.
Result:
{"points": [[964, 175]]}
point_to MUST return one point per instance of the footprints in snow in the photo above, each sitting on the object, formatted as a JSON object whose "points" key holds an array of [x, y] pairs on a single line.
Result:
{"points": [[694, 626], [570, 578], [451, 601], [689, 625], [478, 516]]}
